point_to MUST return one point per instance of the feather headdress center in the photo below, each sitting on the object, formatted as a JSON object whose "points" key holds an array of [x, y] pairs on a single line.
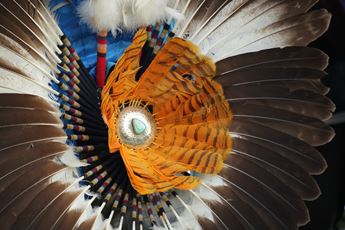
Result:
{"points": [[170, 125], [135, 127]]}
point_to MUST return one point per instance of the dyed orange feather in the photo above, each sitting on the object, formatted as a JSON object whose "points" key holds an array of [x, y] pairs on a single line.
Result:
{"points": [[189, 109]]}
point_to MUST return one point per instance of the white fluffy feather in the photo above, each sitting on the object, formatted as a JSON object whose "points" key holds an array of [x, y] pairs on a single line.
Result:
{"points": [[195, 204], [101, 15], [66, 175], [138, 13], [99, 223], [113, 15], [71, 160], [213, 181], [80, 204], [88, 212]]}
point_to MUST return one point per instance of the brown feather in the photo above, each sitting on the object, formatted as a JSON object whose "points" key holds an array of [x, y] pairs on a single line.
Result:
{"points": [[298, 151], [252, 14], [235, 93], [13, 175], [261, 215], [273, 95], [260, 202], [296, 31], [254, 219], [37, 205], [10, 215], [267, 187], [54, 211], [298, 107], [9, 66], [293, 63], [281, 165], [315, 86], [87, 225], [25, 101], [292, 78], [310, 130], [20, 156], [17, 135], [235, 213], [17, 117], [16, 34], [28, 180], [224, 219], [293, 57], [21, 16], [69, 220]]}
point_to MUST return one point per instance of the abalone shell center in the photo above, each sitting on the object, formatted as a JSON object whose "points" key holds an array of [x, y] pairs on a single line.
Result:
{"points": [[136, 127]]}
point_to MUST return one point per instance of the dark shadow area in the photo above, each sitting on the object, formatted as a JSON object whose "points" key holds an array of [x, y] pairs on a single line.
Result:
{"points": [[328, 209]]}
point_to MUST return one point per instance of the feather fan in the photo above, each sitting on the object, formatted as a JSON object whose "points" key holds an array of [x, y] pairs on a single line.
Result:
{"points": [[183, 133]]}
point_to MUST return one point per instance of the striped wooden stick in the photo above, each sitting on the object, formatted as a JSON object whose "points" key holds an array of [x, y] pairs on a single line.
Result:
{"points": [[101, 58]]}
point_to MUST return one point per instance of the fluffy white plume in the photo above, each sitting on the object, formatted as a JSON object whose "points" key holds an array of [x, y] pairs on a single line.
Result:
{"points": [[88, 211], [138, 13], [66, 175], [213, 181], [99, 223], [113, 15], [101, 15], [192, 201], [71, 160]]}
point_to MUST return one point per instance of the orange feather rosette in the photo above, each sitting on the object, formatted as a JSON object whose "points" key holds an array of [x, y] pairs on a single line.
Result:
{"points": [[189, 112]]}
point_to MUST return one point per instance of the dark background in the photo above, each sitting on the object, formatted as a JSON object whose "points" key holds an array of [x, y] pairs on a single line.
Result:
{"points": [[328, 209]]}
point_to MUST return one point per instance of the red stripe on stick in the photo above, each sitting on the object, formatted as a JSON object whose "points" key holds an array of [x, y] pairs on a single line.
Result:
{"points": [[101, 66]]}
